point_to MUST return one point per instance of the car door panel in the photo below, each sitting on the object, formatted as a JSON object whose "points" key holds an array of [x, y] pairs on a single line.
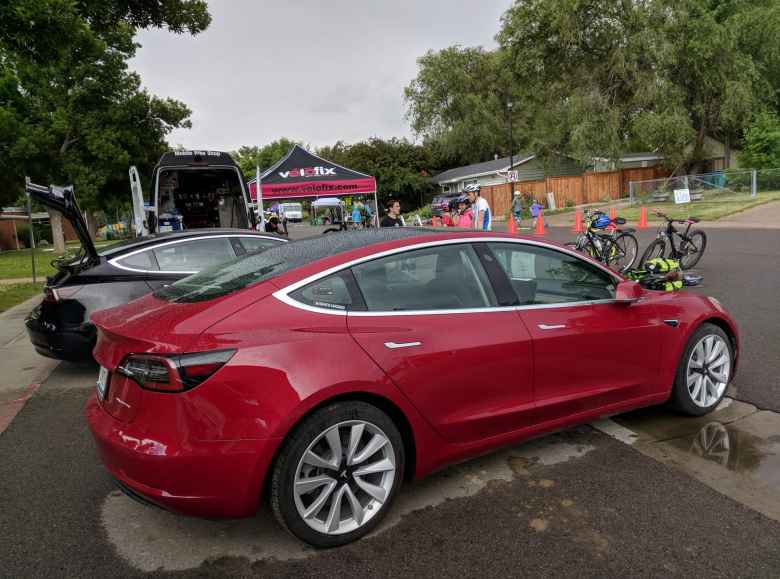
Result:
{"points": [[469, 374], [592, 355], [433, 327], [589, 351]]}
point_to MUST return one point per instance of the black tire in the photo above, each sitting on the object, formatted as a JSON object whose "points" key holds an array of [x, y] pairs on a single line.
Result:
{"points": [[681, 399], [692, 249], [282, 496], [628, 248], [656, 249]]}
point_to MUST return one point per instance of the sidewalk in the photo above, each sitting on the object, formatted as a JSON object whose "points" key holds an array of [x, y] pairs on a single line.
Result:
{"points": [[766, 216], [15, 280], [22, 369]]}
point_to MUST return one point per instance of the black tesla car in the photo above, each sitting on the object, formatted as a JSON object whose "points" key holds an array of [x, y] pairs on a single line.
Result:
{"points": [[95, 280]]}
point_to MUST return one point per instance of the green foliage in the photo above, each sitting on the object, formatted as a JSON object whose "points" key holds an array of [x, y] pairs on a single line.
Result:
{"points": [[70, 110], [762, 142], [402, 169], [599, 78]]}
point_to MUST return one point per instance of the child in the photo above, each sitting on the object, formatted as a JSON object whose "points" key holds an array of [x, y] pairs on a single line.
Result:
{"points": [[536, 207], [464, 216]]}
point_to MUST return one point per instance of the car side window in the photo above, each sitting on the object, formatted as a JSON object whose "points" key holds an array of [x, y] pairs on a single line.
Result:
{"points": [[439, 278], [252, 244], [195, 254], [332, 292], [539, 275], [143, 260]]}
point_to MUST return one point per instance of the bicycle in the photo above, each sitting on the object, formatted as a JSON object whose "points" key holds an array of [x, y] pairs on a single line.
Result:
{"points": [[688, 252], [605, 242]]}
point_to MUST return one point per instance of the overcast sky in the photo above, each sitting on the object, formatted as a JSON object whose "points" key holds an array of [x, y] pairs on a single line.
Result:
{"points": [[304, 69]]}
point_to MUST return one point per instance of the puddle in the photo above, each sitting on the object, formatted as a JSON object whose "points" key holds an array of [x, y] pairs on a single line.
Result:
{"points": [[151, 539], [737, 437]]}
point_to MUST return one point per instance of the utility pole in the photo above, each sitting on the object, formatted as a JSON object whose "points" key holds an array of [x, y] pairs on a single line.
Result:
{"points": [[511, 147]]}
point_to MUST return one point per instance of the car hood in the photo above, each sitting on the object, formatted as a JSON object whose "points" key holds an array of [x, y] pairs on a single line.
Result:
{"points": [[156, 326]]}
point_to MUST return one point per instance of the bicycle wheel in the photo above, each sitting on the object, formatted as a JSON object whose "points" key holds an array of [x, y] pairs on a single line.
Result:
{"points": [[691, 249], [623, 252], [656, 249]]}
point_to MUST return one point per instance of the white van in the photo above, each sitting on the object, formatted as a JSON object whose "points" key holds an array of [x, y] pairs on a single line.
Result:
{"points": [[292, 211], [199, 189]]}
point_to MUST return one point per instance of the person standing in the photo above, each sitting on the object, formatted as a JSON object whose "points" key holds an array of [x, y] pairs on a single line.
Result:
{"points": [[393, 217], [481, 209], [517, 207]]}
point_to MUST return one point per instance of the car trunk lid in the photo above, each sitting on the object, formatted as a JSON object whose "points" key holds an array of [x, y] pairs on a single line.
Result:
{"points": [[63, 199]]}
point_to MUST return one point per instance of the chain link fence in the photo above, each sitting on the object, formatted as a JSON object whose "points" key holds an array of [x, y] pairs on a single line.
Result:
{"points": [[722, 186]]}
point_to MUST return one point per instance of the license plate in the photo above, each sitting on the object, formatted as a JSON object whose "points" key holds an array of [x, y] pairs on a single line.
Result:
{"points": [[102, 383]]}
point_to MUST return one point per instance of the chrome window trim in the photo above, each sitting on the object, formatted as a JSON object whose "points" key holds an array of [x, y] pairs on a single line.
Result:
{"points": [[283, 294], [115, 261]]}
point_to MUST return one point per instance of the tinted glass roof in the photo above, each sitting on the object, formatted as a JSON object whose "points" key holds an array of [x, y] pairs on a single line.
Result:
{"points": [[254, 268]]}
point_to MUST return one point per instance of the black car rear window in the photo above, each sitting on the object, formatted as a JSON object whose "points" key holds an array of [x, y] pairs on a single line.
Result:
{"points": [[253, 268]]}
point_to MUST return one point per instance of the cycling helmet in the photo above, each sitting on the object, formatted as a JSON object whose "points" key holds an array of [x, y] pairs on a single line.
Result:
{"points": [[473, 187], [458, 200], [601, 222]]}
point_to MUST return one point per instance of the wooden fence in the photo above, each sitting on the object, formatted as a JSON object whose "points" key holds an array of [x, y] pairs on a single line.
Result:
{"points": [[574, 190]]}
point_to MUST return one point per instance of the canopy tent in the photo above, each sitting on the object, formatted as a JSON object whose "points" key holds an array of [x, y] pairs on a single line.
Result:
{"points": [[302, 174]]}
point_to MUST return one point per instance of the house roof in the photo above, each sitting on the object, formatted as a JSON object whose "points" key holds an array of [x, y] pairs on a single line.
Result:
{"points": [[479, 169]]}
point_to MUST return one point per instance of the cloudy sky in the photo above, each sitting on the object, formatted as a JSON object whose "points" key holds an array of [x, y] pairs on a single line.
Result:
{"points": [[305, 69]]}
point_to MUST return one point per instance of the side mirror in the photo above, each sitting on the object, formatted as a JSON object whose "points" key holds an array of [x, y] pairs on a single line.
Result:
{"points": [[628, 292]]}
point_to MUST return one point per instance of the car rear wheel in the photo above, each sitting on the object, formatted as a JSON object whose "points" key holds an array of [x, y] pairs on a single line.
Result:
{"points": [[704, 371], [338, 473]]}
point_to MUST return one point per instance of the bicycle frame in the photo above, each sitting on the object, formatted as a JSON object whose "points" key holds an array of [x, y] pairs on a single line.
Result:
{"points": [[670, 232]]}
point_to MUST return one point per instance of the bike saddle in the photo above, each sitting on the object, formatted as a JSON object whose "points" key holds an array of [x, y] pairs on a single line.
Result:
{"points": [[694, 219]]}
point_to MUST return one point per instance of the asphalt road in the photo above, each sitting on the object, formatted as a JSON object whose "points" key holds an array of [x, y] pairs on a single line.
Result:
{"points": [[581, 505]]}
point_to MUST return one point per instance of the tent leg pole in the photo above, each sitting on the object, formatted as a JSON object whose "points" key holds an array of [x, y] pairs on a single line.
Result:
{"points": [[376, 208]]}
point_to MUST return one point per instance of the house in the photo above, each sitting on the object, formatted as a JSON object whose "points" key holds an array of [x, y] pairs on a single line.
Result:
{"points": [[489, 173], [717, 157]]}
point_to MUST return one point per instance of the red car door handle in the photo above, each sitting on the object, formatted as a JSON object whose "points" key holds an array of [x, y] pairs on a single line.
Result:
{"points": [[552, 327], [396, 345]]}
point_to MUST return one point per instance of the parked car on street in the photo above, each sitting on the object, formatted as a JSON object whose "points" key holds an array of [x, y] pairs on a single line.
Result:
{"points": [[322, 373], [60, 326], [291, 211]]}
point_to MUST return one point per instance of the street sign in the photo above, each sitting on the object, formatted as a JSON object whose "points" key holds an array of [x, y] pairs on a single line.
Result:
{"points": [[682, 196]]}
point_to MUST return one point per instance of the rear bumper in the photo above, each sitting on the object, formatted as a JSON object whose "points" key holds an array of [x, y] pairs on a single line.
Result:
{"points": [[75, 344], [198, 478]]}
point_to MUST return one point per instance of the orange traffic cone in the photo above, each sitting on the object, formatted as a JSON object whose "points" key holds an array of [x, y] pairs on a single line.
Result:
{"points": [[512, 227], [612, 214], [539, 224], [577, 222], [642, 218], [434, 221]]}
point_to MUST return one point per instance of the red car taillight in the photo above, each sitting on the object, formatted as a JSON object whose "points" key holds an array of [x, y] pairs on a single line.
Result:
{"points": [[50, 295], [173, 373]]}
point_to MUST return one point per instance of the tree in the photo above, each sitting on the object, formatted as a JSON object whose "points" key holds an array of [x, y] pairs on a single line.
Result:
{"points": [[598, 78], [70, 111], [761, 149], [250, 158], [402, 169], [457, 104]]}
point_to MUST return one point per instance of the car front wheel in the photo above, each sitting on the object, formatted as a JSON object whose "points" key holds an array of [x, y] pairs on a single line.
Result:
{"points": [[337, 475], [704, 371]]}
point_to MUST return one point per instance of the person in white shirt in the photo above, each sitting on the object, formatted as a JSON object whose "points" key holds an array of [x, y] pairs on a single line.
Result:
{"points": [[482, 218]]}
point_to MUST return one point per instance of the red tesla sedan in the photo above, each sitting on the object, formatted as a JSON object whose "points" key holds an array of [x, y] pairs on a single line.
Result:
{"points": [[322, 373]]}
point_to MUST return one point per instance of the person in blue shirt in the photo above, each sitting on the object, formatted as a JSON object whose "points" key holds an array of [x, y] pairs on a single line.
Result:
{"points": [[536, 207], [357, 216]]}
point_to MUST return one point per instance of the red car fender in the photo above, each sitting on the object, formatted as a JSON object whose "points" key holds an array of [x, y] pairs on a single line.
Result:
{"points": [[689, 311]]}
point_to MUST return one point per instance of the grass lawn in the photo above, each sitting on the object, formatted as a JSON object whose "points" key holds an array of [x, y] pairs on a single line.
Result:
{"points": [[712, 209], [17, 263], [12, 294]]}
